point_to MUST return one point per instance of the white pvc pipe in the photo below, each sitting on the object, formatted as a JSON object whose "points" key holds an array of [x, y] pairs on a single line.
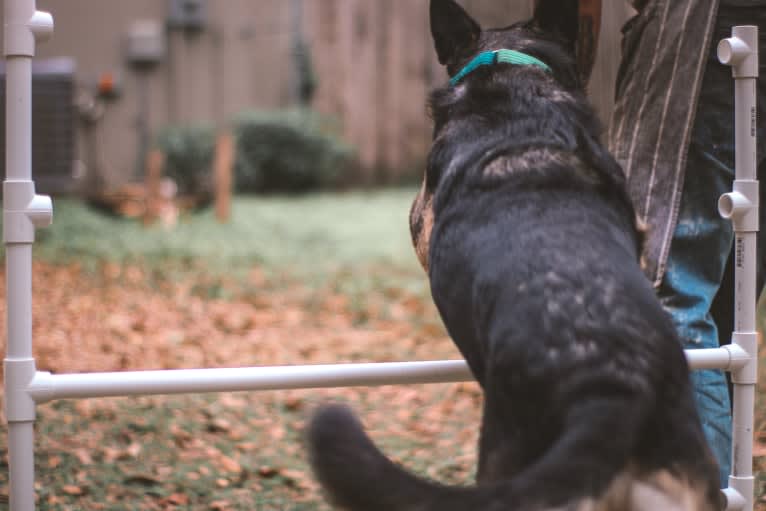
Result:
{"points": [[18, 166], [21, 465], [46, 387], [23, 210], [18, 271], [18, 118], [727, 358], [741, 206], [18, 350]]}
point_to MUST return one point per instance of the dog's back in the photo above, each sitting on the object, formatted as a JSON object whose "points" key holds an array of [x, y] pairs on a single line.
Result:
{"points": [[532, 249]]}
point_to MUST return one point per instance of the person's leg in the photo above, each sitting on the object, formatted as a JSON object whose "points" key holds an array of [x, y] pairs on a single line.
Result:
{"points": [[698, 254]]}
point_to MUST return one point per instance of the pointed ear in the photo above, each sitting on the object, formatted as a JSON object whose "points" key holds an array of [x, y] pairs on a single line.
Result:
{"points": [[455, 33], [589, 31], [559, 18], [577, 23]]}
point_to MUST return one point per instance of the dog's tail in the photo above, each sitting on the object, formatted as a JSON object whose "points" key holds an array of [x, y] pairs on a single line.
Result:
{"points": [[358, 477]]}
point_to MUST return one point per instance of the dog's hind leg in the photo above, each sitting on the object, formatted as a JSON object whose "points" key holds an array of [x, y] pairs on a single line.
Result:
{"points": [[597, 436], [500, 451]]}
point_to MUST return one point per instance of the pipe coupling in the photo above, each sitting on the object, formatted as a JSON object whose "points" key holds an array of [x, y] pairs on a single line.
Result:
{"points": [[24, 211], [741, 52], [21, 35], [741, 206], [18, 375]]}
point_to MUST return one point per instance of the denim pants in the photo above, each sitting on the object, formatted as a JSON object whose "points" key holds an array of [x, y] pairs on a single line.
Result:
{"points": [[698, 254], [702, 240]]}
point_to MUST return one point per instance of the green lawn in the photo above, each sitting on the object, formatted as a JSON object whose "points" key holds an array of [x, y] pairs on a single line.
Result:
{"points": [[311, 233]]}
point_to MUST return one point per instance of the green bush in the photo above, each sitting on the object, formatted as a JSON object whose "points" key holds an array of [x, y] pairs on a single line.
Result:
{"points": [[287, 151], [189, 154]]}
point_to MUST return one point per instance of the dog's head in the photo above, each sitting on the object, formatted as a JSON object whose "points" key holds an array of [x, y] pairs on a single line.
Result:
{"points": [[562, 34], [458, 37]]}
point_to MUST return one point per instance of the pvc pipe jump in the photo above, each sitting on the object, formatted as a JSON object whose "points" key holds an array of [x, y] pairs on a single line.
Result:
{"points": [[741, 206], [24, 211], [47, 387]]}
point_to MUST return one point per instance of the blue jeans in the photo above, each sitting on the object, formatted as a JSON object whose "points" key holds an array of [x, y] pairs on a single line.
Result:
{"points": [[698, 254]]}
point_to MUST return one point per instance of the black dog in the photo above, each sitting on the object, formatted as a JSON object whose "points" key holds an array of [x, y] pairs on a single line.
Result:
{"points": [[531, 244]]}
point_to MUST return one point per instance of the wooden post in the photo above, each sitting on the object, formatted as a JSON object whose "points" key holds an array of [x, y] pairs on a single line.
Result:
{"points": [[155, 160], [222, 172]]}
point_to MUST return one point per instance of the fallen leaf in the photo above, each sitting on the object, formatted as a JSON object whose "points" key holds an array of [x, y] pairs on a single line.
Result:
{"points": [[220, 505], [230, 465], [219, 425], [267, 472], [179, 499], [83, 456], [293, 403], [133, 450], [143, 479], [71, 489]]}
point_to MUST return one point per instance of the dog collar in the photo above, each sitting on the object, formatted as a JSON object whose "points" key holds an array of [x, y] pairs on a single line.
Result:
{"points": [[489, 58]]}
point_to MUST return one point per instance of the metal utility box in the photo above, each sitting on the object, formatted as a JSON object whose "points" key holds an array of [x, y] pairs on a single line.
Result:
{"points": [[145, 43], [53, 125], [187, 14]]}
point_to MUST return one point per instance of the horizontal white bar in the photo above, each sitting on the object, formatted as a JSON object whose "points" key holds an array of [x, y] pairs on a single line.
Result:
{"points": [[46, 386], [728, 358]]}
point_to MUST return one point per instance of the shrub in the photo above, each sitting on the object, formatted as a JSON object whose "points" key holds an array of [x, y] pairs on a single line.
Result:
{"points": [[287, 151], [189, 154]]}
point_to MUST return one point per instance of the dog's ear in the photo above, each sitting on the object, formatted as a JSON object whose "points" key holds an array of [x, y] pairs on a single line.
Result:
{"points": [[577, 23], [455, 33], [560, 18]]}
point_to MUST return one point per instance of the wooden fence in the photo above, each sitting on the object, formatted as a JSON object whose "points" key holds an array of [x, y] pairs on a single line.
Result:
{"points": [[376, 63]]}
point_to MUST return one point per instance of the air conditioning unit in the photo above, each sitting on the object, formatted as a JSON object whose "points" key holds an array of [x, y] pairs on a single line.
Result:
{"points": [[53, 125]]}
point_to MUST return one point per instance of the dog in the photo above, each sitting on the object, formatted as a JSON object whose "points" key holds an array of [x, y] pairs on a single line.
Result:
{"points": [[528, 235]]}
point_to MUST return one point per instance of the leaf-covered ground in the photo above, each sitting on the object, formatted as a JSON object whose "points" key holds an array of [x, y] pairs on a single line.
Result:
{"points": [[319, 279], [290, 281], [228, 451]]}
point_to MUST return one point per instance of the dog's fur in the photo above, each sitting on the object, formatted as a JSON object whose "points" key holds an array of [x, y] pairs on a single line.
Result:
{"points": [[529, 238]]}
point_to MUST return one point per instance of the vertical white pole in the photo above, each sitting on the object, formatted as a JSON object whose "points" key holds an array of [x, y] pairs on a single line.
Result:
{"points": [[23, 210], [741, 206]]}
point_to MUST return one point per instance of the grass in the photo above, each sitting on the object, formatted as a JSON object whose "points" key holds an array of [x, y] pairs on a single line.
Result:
{"points": [[307, 234]]}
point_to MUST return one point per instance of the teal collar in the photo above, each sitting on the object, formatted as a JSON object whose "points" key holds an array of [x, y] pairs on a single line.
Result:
{"points": [[489, 58]]}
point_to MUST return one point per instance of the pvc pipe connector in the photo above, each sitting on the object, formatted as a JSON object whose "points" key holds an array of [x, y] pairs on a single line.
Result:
{"points": [[24, 211], [741, 206], [40, 211], [739, 52], [41, 388], [739, 357], [733, 51], [18, 375], [734, 500], [745, 344], [21, 35], [41, 25]]}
